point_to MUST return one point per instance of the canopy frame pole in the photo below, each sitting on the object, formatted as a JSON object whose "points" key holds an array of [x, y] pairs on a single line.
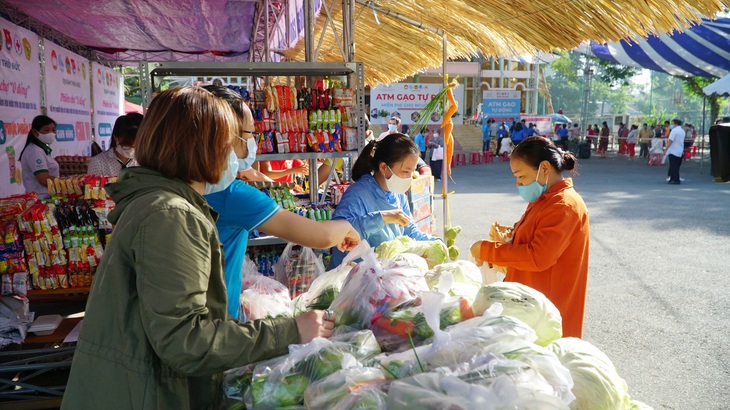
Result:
{"points": [[702, 147], [445, 160], [400, 17]]}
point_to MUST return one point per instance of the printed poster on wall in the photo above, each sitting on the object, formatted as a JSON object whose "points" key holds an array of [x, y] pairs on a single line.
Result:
{"points": [[20, 100], [406, 100], [502, 106], [108, 101], [68, 99]]}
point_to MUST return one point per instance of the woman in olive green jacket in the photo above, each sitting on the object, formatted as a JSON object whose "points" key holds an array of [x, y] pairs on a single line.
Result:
{"points": [[155, 333]]}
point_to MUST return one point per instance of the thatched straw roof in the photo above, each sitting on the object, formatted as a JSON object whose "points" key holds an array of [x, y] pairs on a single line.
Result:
{"points": [[394, 50]]}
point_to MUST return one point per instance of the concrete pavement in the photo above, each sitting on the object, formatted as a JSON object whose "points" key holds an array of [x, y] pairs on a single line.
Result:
{"points": [[659, 287]]}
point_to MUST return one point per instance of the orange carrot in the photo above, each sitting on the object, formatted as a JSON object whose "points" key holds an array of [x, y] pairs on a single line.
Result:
{"points": [[401, 328], [466, 311]]}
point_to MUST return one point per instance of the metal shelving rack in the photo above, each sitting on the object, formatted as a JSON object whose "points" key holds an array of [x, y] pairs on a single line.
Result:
{"points": [[354, 73]]}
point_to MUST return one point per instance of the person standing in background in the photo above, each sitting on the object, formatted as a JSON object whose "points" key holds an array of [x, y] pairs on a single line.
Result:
{"points": [[603, 139], [486, 133], [575, 132], [436, 164], [420, 140], [493, 130], [38, 166], [675, 150], [120, 154], [393, 124], [623, 134], [501, 134], [644, 140], [518, 134], [631, 141]]}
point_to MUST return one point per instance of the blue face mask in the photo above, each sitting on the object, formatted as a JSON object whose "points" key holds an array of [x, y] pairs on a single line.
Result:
{"points": [[671, 126], [227, 178], [392, 127], [246, 163], [533, 190]]}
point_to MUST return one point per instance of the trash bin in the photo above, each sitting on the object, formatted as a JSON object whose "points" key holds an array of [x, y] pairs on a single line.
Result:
{"points": [[720, 152]]}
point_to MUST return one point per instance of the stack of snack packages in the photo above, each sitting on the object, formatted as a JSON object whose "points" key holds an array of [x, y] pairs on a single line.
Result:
{"points": [[290, 119], [43, 245], [13, 266]]}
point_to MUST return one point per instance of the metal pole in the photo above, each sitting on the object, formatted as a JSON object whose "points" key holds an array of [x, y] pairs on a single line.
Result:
{"points": [[266, 31], [445, 161], [702, 147], [308, 30]]}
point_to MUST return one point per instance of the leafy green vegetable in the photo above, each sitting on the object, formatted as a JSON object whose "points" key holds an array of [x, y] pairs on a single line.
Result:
{"points": [[596, 382], [324, 300], [435, 252], [466, 279], [523, 303]]}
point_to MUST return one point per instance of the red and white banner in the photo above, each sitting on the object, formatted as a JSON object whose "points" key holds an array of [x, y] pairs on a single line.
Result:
{"points": [[108, 88], [20, 100], [68, 99]]}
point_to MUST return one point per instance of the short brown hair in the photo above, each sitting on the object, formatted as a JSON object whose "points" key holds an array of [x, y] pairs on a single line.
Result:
{"points": [[186, 134]]}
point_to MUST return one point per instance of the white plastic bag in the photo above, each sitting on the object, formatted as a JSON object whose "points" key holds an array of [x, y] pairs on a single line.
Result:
{"points": [[371, 286], [297, 268], [261, 296]]}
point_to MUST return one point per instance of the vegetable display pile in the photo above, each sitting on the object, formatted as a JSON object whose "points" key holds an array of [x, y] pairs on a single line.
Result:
{"points": [[408, 338]]}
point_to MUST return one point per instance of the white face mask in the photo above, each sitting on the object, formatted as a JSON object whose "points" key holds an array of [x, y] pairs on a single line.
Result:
{"points": [[126, 152], [246, 163], [227, 178], [396, 184], [47, 138]]}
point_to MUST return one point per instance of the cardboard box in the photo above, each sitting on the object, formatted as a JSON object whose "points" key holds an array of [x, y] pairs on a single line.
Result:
{"points": [[420, 188], [422, 208], [424, 225]]}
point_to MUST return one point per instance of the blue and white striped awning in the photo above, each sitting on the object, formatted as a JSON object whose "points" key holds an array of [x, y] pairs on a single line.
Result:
{"points": [[702, 50]]}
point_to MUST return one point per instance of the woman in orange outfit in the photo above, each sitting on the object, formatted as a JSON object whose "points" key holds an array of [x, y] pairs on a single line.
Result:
{"points": [[549, 247]]}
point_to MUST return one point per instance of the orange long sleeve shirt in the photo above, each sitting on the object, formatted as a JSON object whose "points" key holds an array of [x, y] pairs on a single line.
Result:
{"points": [[549, 252]]}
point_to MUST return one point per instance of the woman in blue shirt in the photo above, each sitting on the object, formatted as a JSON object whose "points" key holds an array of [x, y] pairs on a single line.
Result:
{"points": [[376, 204], [518, 134]]}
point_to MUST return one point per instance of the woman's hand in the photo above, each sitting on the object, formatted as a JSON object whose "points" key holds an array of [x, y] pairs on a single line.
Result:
{"points": [[476, 252], [313, 324], [302, 169], [395, 216], [351, 240]]}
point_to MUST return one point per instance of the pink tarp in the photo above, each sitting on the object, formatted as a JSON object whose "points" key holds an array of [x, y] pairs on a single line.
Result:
{"points": [[132, 107], [221, 27]]}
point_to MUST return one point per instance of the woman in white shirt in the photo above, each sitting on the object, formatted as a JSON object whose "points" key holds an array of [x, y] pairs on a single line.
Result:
{"points": [[120, 154], [38, 166]]}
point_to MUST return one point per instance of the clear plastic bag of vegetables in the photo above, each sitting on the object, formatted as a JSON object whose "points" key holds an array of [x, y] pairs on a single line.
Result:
{"points": [[433, 391], [459, 343], [465, 279], [509, 378], [262, 297], [327, 286], [282, 381], [297, 268], [356, 387], [374, 287], [395, 329]]}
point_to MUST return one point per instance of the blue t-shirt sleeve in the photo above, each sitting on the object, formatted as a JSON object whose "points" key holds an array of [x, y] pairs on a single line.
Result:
{"points": [[243, 206]]}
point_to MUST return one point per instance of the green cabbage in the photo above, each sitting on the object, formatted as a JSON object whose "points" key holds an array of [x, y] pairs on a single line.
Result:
{"points": [[596, 383], [466, 276], [523, 303], [435, 252]]}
